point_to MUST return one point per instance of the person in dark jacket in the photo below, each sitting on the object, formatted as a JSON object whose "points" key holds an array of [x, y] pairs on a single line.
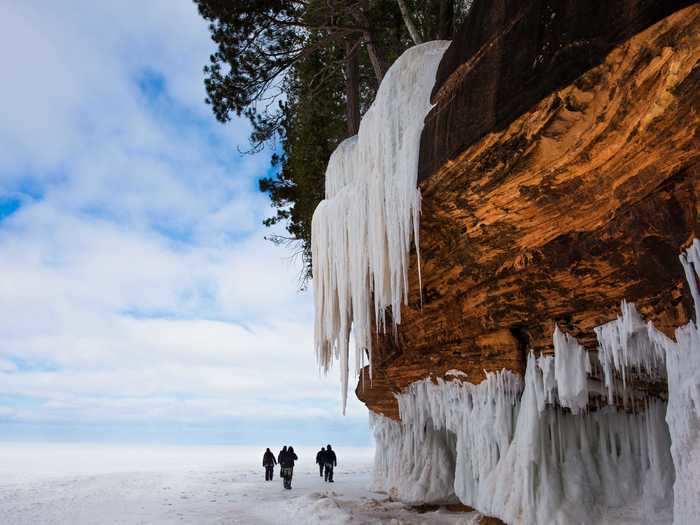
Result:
{"points": [[269, 463], [281, 455], [330, 462], [321, 460], [287, 467]]}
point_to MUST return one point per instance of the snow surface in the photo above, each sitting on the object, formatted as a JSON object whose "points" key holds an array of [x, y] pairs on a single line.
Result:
{"points": [[534, 451], [361, 233], [98, 484]]}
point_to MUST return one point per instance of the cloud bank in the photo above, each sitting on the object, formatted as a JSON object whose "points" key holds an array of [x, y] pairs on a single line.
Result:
{"points": [[138, 294]]}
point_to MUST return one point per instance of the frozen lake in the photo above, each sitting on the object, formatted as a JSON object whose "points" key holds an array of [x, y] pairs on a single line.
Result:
{"points": [[102, 484]]}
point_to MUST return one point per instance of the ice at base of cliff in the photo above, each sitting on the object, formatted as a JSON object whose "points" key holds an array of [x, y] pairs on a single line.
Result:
{"points": [[507, 448], [361, 233], [519, 459]]}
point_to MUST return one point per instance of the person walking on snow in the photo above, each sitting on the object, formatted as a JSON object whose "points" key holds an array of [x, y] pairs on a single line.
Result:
{"points": [[330, 462], [287, 467], [269, 463], [281, 455], [321, 460]]}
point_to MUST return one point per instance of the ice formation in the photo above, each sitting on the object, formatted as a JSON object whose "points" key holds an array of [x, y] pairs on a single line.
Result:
{"points": [[519, 458], [362, 231], [625, 347], [683, 413], [512, 451], [571, 364]]}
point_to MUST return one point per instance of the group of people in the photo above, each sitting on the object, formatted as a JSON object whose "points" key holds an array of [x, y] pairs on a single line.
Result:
{"points": [[325, 459], [286, 459]]}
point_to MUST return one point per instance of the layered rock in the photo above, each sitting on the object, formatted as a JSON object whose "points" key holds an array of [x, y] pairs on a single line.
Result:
{"points": [[559, 177]]}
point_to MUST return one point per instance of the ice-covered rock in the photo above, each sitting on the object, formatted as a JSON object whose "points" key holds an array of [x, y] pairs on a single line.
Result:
{"points": [[534, 451], [520, 458]]}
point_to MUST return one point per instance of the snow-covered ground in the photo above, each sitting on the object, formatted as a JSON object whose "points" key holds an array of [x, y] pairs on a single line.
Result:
{"points": [[102, 484]]}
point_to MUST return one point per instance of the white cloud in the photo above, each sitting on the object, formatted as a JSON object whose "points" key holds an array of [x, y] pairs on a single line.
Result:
{"points": [[136, 281]]}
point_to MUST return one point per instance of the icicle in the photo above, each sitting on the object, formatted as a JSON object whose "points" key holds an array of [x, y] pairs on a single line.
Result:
{"points": [[691, 261], [546, 364], [570, 365], [625, 346], [361, 234], [511, 456]]}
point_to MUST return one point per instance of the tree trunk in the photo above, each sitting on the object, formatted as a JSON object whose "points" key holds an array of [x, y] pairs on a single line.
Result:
{"points": [[446, 20], [352, 87], [375, 56], [410, 24]]}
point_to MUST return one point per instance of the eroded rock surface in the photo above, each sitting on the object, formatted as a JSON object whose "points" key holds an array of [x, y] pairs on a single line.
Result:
{"points": [[561, 198]]}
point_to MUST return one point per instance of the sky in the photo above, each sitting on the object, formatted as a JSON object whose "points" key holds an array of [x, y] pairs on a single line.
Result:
{"points": [[139, 300]]}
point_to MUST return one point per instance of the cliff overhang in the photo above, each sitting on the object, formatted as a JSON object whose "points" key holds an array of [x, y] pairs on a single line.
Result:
{"points": [[559, 178]]}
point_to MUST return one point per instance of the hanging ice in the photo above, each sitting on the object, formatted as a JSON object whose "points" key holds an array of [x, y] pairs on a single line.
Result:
{"points": [[361, 233], [683, 414], [570, 367], [625, 347], [513, 453], [691, 265]]}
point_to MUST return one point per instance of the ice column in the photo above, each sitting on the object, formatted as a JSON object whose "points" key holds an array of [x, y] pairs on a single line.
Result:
{"points": [[361, 233], [571, 363]]}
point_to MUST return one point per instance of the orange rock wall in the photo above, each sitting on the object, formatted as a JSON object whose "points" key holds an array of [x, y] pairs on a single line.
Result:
{"points": [[582, 201]]}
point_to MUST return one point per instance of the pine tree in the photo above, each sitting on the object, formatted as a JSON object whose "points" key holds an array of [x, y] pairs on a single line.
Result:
{"points": [[303, 73]]}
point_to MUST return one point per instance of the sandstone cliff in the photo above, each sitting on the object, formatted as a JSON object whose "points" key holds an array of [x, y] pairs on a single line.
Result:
{"points": [[560, 175]]}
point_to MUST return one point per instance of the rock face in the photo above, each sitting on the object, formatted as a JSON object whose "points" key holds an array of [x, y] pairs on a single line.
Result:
{"points": [[560, 174]]}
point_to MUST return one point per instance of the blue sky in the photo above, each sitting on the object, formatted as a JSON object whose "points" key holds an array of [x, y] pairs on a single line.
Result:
{"points": [[139, 300]]}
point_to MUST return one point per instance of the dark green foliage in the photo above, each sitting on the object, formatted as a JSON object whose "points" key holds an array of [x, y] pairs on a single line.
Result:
{"points": [[313, 124], [300, 71]]}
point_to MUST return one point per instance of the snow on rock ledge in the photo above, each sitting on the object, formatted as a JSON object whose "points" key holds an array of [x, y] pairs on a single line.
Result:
{"points": [[361, 233], [509, 449]]}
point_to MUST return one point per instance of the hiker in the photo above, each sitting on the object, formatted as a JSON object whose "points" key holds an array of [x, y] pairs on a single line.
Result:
{"points": [[330, 462], [287, 467], [321, 460], [269, 463], [281, 455]]}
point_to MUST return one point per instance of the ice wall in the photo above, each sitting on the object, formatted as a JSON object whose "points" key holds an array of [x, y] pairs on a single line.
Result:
{"points": [[523, 460], [361, 233], [535, 451], [414, 466], [683, 414], [631, 348]]}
